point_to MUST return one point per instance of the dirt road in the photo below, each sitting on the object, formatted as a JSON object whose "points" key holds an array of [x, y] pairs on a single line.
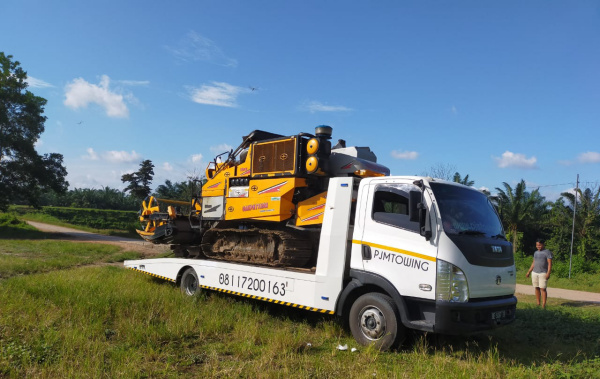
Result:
{"points": [[70, 234], [588, 297]]}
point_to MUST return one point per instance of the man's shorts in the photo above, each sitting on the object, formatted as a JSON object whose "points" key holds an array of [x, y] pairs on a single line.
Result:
{"points": [[539, 279]]}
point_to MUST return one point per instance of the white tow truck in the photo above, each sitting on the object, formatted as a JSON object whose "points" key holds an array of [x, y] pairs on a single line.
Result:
{"points": [[394, 253]]}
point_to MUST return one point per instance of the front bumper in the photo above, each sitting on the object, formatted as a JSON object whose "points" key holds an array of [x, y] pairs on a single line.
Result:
{"points": [[474, 316]]}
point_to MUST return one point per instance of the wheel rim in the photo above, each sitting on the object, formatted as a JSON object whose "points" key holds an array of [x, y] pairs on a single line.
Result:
{"points": [[190, 285], [372, 323]]}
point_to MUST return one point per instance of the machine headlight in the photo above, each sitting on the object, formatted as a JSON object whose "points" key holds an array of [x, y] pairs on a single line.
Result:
{"points": [[451, 283]]}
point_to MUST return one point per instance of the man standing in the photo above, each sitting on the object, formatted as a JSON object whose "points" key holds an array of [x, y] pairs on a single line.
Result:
{"points": [[541, 267]]}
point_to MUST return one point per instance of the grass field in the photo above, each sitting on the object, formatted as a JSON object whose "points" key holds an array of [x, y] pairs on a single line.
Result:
{"points": [[25, 250], [82, 318], [108, 322]]}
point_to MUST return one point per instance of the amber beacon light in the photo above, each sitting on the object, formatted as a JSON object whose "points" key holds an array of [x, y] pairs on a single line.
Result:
{"points": [[318, 149]]}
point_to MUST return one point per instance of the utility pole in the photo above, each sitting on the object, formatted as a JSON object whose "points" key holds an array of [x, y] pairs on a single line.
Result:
{"points": [[573, 230]]}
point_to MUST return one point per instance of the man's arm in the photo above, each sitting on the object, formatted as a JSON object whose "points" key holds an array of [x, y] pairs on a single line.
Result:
{"points": [[549, 268], [530, 269]]}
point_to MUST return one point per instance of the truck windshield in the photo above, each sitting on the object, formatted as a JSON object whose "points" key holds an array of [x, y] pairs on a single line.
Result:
{"points": [[466, 211]]}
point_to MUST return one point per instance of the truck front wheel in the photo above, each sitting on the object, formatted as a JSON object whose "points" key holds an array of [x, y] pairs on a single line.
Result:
{"points": [[189, 282], [374, 321]]}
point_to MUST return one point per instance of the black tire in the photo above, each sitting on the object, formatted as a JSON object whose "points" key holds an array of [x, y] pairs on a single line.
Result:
{"points": [[189, 282], [374, 321]]}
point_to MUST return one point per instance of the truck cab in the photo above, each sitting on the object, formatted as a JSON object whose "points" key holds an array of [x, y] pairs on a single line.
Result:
{"points": [[437, 250]]}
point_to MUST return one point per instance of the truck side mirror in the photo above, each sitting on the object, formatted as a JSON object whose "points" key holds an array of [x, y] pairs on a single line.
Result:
{"points": [[413, 205], [424, 222]]}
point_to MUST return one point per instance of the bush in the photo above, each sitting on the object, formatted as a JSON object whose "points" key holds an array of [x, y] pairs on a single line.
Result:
{"points": [[522, 261], [93, 218], [9, 219], [579, 265]]}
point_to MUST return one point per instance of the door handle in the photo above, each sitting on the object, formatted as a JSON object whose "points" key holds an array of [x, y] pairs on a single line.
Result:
{"points": [[366, 252]]}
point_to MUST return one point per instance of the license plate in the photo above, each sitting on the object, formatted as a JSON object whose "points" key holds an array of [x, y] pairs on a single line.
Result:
{"points": [[498, 315]]}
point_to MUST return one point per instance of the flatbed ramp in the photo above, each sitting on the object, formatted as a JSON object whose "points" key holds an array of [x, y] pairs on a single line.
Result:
{"points": [[286, 287], [316, 291]]}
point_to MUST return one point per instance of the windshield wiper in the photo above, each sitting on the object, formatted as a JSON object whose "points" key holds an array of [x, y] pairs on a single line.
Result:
{"points": [[471, 232], [502, 236]]}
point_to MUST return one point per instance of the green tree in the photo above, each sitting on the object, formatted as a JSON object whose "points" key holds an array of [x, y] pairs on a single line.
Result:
{"points": [[139, 181], [458, 179], [183, 191], [587, 221], [560, 222], [24, 174], [169, 191], [104, 198], [518, 208]]}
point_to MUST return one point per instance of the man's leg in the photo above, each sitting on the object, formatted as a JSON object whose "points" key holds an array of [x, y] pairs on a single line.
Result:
{"points": [[543, 284], [544, 297], [537, 295]]}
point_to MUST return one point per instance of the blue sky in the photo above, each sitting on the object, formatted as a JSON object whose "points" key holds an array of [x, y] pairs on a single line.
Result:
{"points": [[501, 91]]}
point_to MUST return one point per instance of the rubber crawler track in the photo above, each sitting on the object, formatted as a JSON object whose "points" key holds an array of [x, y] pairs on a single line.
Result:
{"points": [[260, 246]]}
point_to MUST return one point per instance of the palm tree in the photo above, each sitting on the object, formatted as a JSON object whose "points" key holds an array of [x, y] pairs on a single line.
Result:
{"points": [[458, 179], [517, 208], [587, 220]]}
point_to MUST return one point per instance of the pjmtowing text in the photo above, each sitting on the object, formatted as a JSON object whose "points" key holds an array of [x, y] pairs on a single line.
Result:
{"points": [[401, 260]]}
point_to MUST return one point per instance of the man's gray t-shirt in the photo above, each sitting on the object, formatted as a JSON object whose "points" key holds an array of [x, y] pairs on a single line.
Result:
{"points": [[540, 260]]}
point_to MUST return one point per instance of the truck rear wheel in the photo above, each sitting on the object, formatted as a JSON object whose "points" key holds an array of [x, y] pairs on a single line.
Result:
{"points": [[189, 282], [374, 321]]}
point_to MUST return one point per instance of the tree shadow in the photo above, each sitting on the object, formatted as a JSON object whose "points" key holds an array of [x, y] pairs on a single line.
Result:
{"points": [[581, 304], [8, 232]]}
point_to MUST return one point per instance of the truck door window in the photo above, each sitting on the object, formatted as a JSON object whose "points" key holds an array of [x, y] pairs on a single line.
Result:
{"points": [[390, 206]]}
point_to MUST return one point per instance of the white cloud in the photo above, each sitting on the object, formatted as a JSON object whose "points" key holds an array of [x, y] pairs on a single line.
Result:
{"points": [[510, 159], [589, 157], [91, 154], [134, 83], [167, 166], [454, 110], [37, 83], [195, 47], [121, 156], [315, 106], [196, 158], [79, 94], [220, 148], [218, 93], [406, 155], [483, 188], [112, 156], [38, 143]]}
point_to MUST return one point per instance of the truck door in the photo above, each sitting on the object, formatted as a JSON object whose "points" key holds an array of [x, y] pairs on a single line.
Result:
{"points": [[391, 245]]}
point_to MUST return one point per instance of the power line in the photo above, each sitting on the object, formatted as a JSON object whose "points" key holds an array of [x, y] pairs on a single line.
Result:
{"points": [[581, 184], [552, 185]]}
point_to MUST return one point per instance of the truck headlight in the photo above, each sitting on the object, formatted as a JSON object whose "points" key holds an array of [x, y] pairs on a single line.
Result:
{"points": [[451, 283]]}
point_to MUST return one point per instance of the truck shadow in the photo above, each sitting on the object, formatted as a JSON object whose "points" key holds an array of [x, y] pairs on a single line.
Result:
{"points": [[563, 334], [567, 333]]}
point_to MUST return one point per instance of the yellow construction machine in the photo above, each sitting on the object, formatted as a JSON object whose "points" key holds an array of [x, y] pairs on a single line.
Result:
{"points": [[262, 203]]}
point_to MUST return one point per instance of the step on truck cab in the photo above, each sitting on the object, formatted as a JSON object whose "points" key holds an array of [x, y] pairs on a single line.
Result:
{"points": [[395, 253]]}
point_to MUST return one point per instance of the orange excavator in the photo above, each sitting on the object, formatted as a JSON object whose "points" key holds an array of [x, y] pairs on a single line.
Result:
{"points": [[263, 203]]}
